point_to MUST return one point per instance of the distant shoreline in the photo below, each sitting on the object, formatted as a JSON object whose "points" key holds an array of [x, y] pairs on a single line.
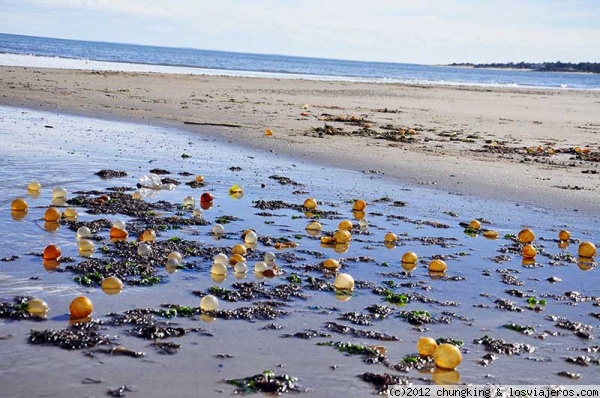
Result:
{"points": [[553, 67]]}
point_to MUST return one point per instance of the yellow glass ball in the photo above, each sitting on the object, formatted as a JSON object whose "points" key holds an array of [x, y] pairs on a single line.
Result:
{"points": [[310, 204], [209, 303], [218, 278], [218, 269], [199, 179], [52, 214], [70, 213], [359, 205], [587, 249], [331, 263], [148, 235], [409, 257], [345, 225], [34, 186], [389, 245], [236, 258], [81, 307], [491, 234], [447, 356], [59, 193], [250, 237], [239, 249], [343, 282], [235, 188], [112, 285], [564, 235], [327, 240], [390, 237], [426, 346], [526, 236], [18, 205], [438, 266], [51, 252], [86, 245], [341, 236], [268, 132], [37, 307], [475, 224], [529, 251]]}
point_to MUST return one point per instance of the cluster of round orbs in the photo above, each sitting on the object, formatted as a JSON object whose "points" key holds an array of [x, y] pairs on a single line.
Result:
{"points": [[446, 356]]}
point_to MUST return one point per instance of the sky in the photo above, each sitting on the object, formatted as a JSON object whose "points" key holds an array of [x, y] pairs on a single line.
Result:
{"points": [[416, 31]]}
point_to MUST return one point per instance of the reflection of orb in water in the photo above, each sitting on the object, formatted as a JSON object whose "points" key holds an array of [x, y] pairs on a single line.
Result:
{"points": [[529, 251], [445, 377]]}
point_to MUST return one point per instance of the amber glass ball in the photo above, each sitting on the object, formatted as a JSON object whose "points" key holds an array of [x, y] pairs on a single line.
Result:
{"points": [[81, 307]]}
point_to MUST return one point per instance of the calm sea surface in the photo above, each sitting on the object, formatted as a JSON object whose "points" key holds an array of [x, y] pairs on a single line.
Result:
{"points": [[58, 53]]}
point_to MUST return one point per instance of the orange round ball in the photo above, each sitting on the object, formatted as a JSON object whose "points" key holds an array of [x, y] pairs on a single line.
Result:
{"points": [[310, 204], [359, 205], [345, 225], [475, 224], [587, 249], [526, 236], [18, 205], [410, 257], [51, 252], [52, 214], [438, 266], [447, 356], [564, 235], [81, 307]]}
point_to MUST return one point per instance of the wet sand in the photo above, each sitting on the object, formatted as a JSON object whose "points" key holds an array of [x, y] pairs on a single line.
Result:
{"points": [[466, 140]]}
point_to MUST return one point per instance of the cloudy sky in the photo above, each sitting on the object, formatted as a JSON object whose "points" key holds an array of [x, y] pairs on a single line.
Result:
{"points": [[417, 31]]}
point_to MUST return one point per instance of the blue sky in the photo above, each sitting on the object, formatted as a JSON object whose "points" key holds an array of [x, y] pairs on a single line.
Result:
{"points": [[425, 31]]}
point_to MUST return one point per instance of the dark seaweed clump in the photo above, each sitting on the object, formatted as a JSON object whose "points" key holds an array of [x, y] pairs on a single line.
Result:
{"points": [[75, 337], [359, 333], [383, 381], [499, 346], [106, 173], [266, 382]]}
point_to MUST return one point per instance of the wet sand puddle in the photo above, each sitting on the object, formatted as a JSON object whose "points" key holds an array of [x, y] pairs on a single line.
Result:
{"points": [[546, 311]]}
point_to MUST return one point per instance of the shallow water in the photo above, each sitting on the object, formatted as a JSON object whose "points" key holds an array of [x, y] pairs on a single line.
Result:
{"points": [[68, 154]]}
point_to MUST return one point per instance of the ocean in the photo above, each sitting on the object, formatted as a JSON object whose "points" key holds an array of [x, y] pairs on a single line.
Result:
{"points": [[29, 51]]}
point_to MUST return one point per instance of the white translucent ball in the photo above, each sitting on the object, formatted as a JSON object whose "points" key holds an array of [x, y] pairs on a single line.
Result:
{"points": [[175, 255], [269, 257], [86, 245], [144, 249], [59, 193], [172, 263], [221, 259], [197, 214], [240, 267], [344, 282], [83, 232], [218, 229], [251, 237], [119, 224], [209, 303], [189, 201], [363, 223], [260, 267], [218, 269]]}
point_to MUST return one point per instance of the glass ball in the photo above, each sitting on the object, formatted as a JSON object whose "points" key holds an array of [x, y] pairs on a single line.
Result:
{"points": [[239, 249], [59, 193], [236, 258], [86, 245], [363, 224], [37, 307], [148, 235], [529, 251], [314, 226], [197, 214], [438, 266], [52, 214], [475, 224], [118, 233], [206, 197], [70, 214], [218, 229], [564, 235], [447, 356], [171, 265], [112, 283], [235, 188], [218, 269], [526, 236], [269, 257], [221, 258], [260, 267], [587, 249], [34, 186], [327, 240], [341, 248], [240, 268], [137, 195], [189, 201], [345, 225], [18, 205], [209, 303], [331, 263], [310, 204], [51, 252], [144, 249], [343, 282], [175, 255], [342, 236], [409, 257], [359, 215], [426, 346], [390, 237], [251, 237], [199, 179], [490, 234], [81, 307], [119, 224], [83, 232], [268, 132], [51, 226], [359, 205]]}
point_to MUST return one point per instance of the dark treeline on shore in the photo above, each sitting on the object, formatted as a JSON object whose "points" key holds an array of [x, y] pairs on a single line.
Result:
{"points": [[587, 67]]}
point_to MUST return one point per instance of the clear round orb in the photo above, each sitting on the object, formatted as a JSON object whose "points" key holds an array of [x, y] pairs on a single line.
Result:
{"points": [[240, 268], [172, 263], [175, 255], [59, 193], [251, 237], [37, 307], [119, 224], [270, 257], [218, 269], [83, 232], [363, 224], [209, 303], [197, 214], [34, 186], [218, 229], [221, 258], [343, 282], [144, 249], [260, 267], [86, 245]]}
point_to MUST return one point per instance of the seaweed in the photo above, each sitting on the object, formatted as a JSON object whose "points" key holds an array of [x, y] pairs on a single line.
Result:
{"points": [[383, 381], [499, 346], [266, 382], [369, 334], [75, 337]]}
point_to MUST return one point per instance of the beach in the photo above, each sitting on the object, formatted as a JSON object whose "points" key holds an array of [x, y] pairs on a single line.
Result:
{"points": [[469, 140], [427, 160]]}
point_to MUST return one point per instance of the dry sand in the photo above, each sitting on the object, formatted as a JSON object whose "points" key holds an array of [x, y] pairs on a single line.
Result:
{"points": [[466, 140]]}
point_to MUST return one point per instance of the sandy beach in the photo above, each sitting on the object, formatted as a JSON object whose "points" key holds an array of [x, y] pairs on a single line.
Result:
{"points": [[468, 140]]}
